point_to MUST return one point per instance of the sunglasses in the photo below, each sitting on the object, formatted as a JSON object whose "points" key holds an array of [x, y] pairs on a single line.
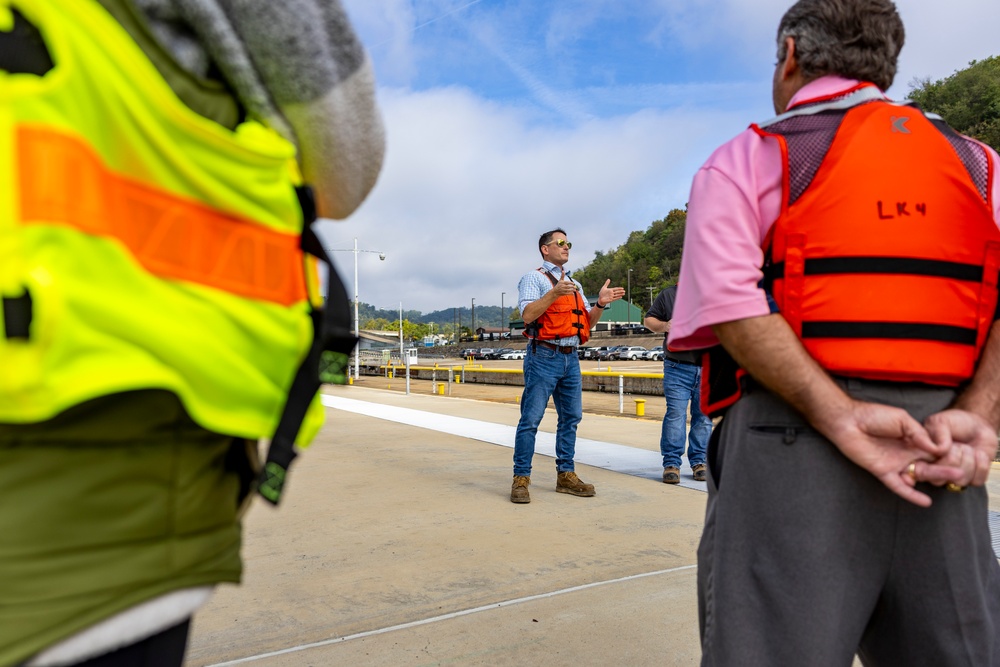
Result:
{"points": [[562, 243]]}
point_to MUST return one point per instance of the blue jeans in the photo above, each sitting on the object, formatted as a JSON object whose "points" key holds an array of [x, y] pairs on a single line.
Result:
{"points": [[549, 373], [682, 385]]}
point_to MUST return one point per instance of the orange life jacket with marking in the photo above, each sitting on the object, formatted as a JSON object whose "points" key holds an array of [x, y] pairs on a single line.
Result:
{"points": [[884, 257], [566, 317]]}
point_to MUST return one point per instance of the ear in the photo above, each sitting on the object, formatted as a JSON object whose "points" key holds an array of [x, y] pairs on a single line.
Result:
{"points": [[790, 67]]}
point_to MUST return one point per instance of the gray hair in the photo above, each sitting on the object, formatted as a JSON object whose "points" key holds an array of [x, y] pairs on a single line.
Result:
{"points": [[856, 39]]}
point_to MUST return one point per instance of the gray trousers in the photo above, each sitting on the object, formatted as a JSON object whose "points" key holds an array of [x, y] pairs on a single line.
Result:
{"points": [[806, 559]]}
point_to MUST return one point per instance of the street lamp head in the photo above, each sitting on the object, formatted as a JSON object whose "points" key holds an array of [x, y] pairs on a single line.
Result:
{"points": [[381, 256]]}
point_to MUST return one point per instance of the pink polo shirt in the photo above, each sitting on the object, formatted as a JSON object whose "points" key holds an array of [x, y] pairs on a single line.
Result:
{"points": [[735, 198]]}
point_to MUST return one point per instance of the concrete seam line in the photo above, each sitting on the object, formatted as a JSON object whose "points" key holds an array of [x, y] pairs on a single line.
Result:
{"points": [[445, 617]]}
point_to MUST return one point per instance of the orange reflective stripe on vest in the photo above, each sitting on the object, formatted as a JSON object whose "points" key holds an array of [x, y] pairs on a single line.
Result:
{"points": [[64, 181]]}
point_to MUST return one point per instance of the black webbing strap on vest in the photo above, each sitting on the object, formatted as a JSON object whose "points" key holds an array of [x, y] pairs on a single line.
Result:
{"points": [[853, 265], [22, 49], [333, 342], [17, 316], [721, 381]]}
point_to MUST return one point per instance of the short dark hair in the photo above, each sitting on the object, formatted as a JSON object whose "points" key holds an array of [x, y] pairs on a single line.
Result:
{"points": [[856, 39], [546, 238]]}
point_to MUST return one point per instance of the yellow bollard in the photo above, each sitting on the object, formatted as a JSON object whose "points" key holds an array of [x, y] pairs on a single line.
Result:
{"points": [[458, 378], [640, 407], [441, 389], [390, 373], [350, 380]]}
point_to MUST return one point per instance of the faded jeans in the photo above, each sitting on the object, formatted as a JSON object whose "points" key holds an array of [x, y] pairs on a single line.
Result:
{"points": [[681, 386], [549, 373]]}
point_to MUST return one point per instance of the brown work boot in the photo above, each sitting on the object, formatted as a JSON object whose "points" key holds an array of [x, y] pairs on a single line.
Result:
{"points": [[700, 472], [671, 475], [519, 490], [568, 482]]}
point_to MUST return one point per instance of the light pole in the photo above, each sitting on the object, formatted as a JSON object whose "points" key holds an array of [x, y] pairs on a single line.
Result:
{"points": [[473, 318], [628, 308], [381, 256], [650, 288], [503, 322]]}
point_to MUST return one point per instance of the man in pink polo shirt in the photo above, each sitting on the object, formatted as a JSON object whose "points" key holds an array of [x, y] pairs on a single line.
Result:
{"points": [[841, 260]]}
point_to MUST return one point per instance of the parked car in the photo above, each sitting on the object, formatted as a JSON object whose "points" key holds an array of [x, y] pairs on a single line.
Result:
{"points": [[468, 352], [482, 353], [608, 353], [513, 354], [495, 354], [633, 329], [655, 354], [630, 352]]}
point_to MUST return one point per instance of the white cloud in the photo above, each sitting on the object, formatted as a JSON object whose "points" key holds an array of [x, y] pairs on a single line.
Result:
{"points": [[469, 185]]}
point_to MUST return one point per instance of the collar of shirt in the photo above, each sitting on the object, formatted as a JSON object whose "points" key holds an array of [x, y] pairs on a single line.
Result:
{"points": [[554, 269], [824, 87]]}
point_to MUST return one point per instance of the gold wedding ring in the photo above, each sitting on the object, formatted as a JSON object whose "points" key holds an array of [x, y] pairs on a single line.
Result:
{"points": [[911, 470], [954, 488]]}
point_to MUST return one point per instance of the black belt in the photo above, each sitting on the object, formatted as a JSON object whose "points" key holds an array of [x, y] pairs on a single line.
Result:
{"points": [[681, 361], [565, 349]]}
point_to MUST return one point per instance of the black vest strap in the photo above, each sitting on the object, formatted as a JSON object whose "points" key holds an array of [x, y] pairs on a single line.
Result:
{"points": [[332, 345], [721, 381], [890, 331], [22, 50], [17, 312], [886, 265]]}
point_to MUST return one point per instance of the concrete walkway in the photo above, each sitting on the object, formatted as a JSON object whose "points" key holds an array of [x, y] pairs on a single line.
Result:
{"points": [[397, 544]]}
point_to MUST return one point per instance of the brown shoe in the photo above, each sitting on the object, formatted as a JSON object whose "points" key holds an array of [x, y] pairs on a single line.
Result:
{"points": [[671, 476], [568, 482], [700, 472], [519, 490]]}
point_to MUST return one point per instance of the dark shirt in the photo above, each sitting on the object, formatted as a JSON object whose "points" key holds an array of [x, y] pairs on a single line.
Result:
{"points": [[663, 310]]}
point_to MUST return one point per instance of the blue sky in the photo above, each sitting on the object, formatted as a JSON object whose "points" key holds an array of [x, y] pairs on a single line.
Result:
{"points": [[505, 118]]}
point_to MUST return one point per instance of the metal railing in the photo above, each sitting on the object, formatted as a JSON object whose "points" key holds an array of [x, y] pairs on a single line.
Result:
{"points": [[470, 372]]}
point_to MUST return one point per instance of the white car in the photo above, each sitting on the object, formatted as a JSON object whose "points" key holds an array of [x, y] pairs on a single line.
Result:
{"points": [[631, 352], [654, 354], [513, 354]]}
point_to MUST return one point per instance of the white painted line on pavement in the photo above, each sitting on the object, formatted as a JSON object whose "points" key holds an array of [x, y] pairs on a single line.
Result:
{"points": [[610, 456], [445, 617]]}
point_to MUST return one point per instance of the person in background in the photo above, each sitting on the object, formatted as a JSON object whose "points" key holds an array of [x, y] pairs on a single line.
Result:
{"points": [[681, 387], [557, 320], [844, 255], [161, 311]]}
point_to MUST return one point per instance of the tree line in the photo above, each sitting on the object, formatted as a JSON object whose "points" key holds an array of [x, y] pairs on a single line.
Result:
{"points": [[968, 100]]}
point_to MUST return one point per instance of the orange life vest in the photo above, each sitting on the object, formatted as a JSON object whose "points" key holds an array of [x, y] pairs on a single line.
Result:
{"points": [[566, 317], [884, 257]]}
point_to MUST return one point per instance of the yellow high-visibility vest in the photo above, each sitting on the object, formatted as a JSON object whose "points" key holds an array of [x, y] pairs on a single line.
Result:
{"points": [[154, 248]]}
